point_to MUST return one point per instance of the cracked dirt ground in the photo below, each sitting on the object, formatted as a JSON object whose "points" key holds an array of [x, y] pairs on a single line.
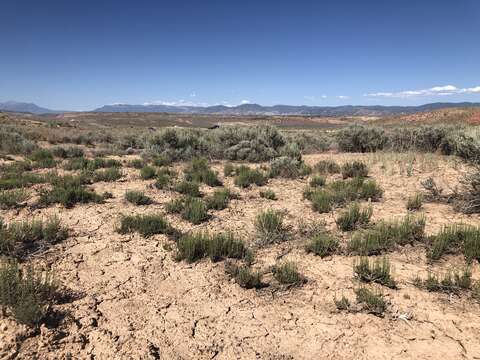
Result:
{"points": [[131, 300]]}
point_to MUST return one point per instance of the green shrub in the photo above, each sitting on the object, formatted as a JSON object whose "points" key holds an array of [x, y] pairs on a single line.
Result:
{"points": [[26, 292], [245, 277], [68, 152], [137, 198], [386, 235], [317, 181], [246, 176], [378, 272], [287, 273], [175, 206], [322, 201], [354, 169], [19, 238], [163, 181], [357, 138], [327, 167], [13, 142], [373, 303], [146, 225], [82, 163], [195, 211], [268, 194], [69, 195], [107, 175], [41, 155], [161, 160], [342, 304], [452, 281], [12, 198], [196, 246], [453, 239], [322, 244], [147, 172], [469, 197], [286, 167], [188, 188], [354, 217], [415, 202], [219, 199], [199, 171], [269, 227], [10, 181]]}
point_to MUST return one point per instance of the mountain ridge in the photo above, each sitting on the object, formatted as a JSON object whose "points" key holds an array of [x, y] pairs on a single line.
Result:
{"points": [[250, 109]]}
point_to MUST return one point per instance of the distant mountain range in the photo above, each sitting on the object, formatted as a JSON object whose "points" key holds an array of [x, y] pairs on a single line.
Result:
{"points": [[251, 109]]}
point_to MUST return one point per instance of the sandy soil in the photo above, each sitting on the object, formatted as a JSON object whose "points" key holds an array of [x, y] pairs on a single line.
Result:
{"points": [[131, 300]]}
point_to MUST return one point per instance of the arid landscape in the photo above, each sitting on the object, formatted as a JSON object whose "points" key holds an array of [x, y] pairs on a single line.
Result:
{"points": [[148, 236]]}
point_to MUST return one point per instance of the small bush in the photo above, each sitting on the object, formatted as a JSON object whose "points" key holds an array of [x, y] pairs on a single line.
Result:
{"points": [[268, 194], [147, 172], [137, 198], [245, 277], [451, 282], [20, 180], [26, 292], [286, 167], [82, 163], [373, 303], [357, 138], [317, 181], [327, 167], [219, 199], [161, 160], [69, 195], [175, 206], [287, 273], [19, 238], [453, 239], [386, 235], [68, 152], [415, 202], [12, 198], [146, 225], [342, 304], [270, 228], [246, 176], [377, 272], [163, 181], [195, 211], [188, 188], [354, 169], [107, 175], [196, 246], [322, 201], [199, 171], [322, 245], [354, 217]]}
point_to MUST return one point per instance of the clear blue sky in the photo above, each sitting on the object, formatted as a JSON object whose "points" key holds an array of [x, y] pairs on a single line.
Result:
{"points": [[82, 54]]}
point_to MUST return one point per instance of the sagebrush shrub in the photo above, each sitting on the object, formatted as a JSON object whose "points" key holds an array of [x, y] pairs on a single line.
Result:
{"points": [[327, 167], [357, 138], [26, 292], [322, 201], [373, 303], [195, 210], [322, 244], [378, 271], [146, 225], [188, 188], [246, 176], [269, 227], [69, 195], [354, 217], [219, 199], [12, 198], [354, 169], [287, 273], [317, 181], [137, 198], [286, 167], [199, 171], [147, 172], [415, 202], [245, 277], [268, 194], [107, 175]]}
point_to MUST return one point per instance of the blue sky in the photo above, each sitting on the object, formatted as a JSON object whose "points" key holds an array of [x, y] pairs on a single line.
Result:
{"points": [[82, 54]]}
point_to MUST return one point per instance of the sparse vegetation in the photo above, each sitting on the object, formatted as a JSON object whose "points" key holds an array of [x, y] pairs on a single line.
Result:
{"points": [[107, 175], [378, 271], [317, 181], [268, 194], [451, 282], [145, 225], [287, 167], [219, 199], [147, 172], [287, 273], [354, 169], [199, 171], [246, 176], [188, 188], [245, 277], [415, 202], [354, 217], [137, 198], [454, 239], [386, 235], [322, 244], [372, 303], [327, 167], [270, 228], [12, 198]]}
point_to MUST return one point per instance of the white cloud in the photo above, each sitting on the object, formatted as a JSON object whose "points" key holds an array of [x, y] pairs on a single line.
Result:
{"points": [[193, 94], [180, 102], [444, 90], [343, 97], [245, 102]]}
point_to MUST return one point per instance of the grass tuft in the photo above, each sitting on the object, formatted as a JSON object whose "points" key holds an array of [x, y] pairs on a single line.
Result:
{"points": [[322, 245], [354, 169], [146, 225], [378, 271], [287, 273], [268, 194], [415, 202], [354, 217], [270, 228], [137, 198]]}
